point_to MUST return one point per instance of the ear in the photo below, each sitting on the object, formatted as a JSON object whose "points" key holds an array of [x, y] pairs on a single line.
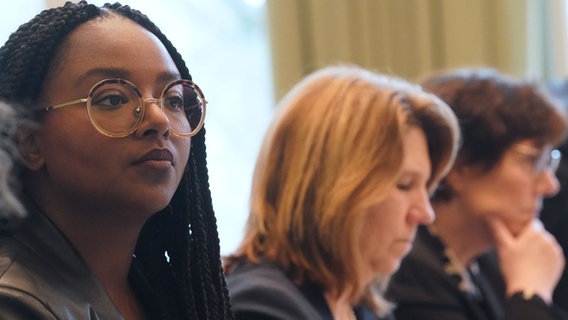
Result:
{"points": [[27, 144], [461, 176], [454, 180]]}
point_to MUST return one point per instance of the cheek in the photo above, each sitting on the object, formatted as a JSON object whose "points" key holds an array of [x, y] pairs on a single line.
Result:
{"points": [[69, 155], [71, 128], [381, 254], [373, 234], [381, 228], [183, 147], [508, 199], [69, 147], [520, 209], [513, 197], [387, 220], [374, 238]]}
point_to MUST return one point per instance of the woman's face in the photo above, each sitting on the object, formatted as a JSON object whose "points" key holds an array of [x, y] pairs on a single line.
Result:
{"points": [[512, 191], [390, 226], [81, 167]]}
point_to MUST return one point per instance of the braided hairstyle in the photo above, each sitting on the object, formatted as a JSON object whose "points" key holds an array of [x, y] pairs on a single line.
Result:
{"points": [[178, 248]]}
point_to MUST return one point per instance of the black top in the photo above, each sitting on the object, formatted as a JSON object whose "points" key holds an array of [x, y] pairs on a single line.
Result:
{"points": [[424, 288], [264, 292]]}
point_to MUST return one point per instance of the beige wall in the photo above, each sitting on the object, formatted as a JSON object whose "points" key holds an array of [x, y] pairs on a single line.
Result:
{"points": [[56, 3]]}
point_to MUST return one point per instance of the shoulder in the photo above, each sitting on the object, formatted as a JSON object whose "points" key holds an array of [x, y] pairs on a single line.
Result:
{"points": [[21, 305], [263, 291], [17, 263], [23, 268], [40, 273], [19, 282], [10, 249], [263, 276]]}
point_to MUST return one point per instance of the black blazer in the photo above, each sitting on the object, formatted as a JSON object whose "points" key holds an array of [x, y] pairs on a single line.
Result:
{"points": [[422, 290], [264, 292]]}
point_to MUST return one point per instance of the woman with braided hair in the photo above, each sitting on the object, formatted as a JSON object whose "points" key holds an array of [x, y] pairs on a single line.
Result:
{"points": [[120, 223]]}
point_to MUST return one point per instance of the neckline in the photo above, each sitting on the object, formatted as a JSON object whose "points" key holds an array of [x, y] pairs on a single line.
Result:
{"points": [[454, 268]]}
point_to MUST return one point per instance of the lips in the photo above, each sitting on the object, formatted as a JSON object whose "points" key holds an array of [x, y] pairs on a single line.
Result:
{"points": [[157, 155]]}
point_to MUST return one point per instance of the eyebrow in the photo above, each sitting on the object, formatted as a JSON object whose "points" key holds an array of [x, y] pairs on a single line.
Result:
{"points": [[105, 73], [168, 76], [124, 74], [415, 173]]}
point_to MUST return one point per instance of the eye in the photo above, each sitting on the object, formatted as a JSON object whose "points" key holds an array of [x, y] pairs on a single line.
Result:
{"points": [[533, 161], [404, 185], [174, 102], [109, 100], [411, 182]]}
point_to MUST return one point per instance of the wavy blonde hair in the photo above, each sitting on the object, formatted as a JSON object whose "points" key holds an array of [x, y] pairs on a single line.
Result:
{"points": [[333, 150]]}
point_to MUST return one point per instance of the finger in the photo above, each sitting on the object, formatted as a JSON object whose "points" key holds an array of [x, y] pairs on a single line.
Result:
{"points": [[501, 234]]}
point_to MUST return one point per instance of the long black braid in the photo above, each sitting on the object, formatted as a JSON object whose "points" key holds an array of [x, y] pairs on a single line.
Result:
{"points": [[178, 249]]}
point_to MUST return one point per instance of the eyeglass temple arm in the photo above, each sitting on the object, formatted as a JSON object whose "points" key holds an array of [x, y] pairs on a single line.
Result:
{"points": [[70, 103]]}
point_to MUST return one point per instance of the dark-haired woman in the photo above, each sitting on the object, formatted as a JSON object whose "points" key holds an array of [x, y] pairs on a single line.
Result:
{"points": [[487, 208], [120, 223]]}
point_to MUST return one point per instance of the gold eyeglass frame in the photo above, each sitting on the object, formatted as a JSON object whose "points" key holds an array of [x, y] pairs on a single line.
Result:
{"points": [[143, 101]]}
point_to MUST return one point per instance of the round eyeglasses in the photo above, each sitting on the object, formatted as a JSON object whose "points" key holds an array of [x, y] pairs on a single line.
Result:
{"points": [[542, 159], [116, 107]]}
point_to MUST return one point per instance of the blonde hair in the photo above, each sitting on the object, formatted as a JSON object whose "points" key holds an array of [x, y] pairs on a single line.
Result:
{"points": [[334, 148]]}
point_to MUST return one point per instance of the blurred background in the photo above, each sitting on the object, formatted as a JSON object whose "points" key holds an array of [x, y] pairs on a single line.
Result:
{"points": [[245, 54]]}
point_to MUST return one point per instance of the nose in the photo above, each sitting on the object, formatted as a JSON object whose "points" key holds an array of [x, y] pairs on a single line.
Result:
{"points": [[155, 121], [421, 212], [548, 184]]}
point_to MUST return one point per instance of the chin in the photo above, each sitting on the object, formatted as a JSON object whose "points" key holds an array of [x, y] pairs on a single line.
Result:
{"points": [[387, 270], [150, 206]]}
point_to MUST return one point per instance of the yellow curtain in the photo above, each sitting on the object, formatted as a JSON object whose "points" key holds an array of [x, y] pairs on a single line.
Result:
{"points": [[408, 38], [554, 46]]}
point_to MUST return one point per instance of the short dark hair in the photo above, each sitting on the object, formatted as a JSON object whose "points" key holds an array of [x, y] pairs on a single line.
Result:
{"points": [[494, 112]]}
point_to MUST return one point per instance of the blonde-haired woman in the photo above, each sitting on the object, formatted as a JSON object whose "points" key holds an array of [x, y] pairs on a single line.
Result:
{"points": [[341, 184]]}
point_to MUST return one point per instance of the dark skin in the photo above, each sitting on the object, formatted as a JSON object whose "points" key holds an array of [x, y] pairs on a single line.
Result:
{"points": [[98, 190]]}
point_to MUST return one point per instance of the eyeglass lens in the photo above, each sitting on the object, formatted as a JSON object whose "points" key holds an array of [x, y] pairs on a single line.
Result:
{"points": [[547, 159], [555, 157]]}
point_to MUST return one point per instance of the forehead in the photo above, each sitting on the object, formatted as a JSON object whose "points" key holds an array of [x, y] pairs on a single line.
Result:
{"points": [[416, 157], [112, 42]]}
